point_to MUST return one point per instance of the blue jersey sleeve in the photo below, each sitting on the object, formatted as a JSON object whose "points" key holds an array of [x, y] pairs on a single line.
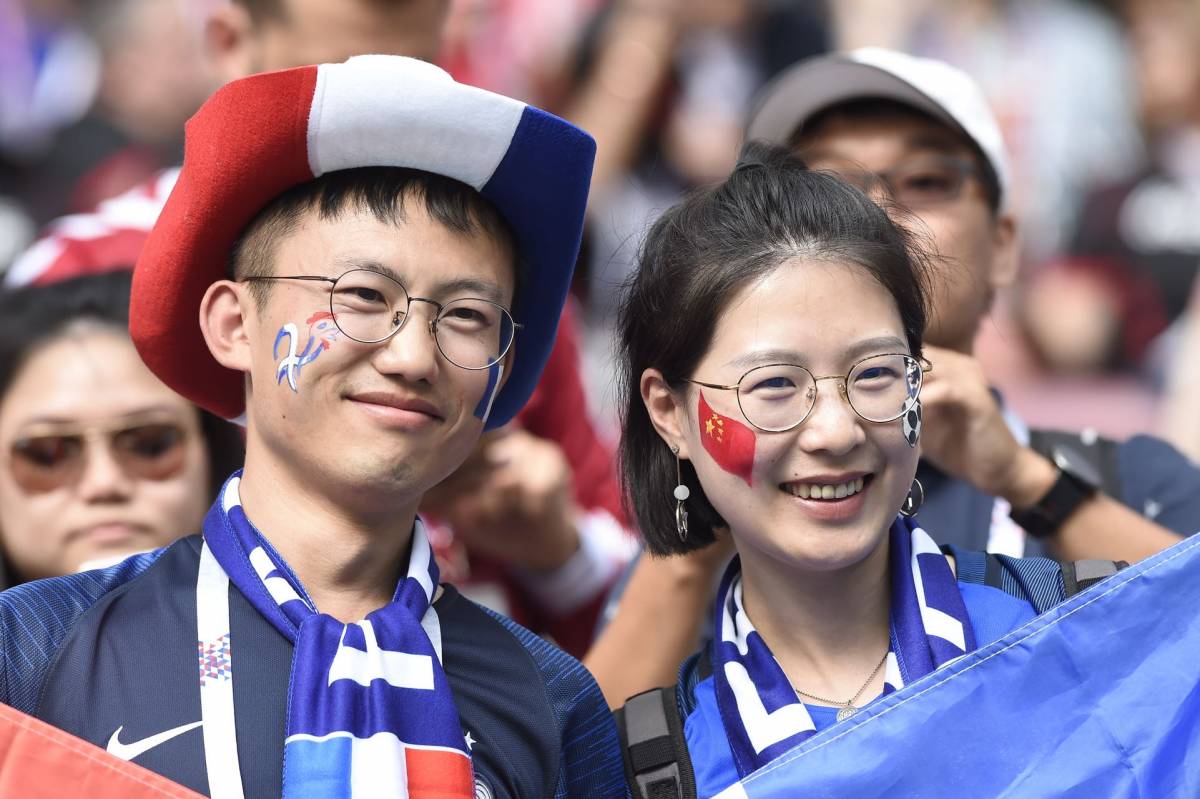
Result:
{"points": [[590, 763], [36, 617], [1159, 482]]}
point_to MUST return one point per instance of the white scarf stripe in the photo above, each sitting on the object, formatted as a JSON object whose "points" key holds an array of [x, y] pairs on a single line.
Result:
{"points": [[278, 587], [936, 622], [737, 628], [418, 567], [764, 729], [891, 672]]}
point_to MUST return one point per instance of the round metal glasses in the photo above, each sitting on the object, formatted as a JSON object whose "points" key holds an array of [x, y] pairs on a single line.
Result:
{"points": [[370, 307], [778, 397]]}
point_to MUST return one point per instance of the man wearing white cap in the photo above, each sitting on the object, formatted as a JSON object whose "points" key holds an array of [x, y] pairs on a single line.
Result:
{"points": [[377, 257], [918, 135]]}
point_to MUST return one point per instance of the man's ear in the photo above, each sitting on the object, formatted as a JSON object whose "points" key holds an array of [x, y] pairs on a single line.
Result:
{"points": [[230, 41], [667, 411], [225, 314], [1006, 247]]}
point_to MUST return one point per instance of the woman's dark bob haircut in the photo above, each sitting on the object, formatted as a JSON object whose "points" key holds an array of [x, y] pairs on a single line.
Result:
{"points": [[701, 253]]}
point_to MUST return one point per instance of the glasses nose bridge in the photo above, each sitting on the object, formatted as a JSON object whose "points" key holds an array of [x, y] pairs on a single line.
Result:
{"points": [[99, 452], [400, 317], [841, 386]]}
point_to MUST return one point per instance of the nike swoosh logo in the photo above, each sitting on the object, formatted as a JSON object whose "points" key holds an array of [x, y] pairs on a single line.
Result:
{"points": [[131, 750]]}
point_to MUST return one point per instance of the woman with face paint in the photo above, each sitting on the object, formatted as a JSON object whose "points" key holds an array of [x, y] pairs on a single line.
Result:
{"points": [[771, 345]]}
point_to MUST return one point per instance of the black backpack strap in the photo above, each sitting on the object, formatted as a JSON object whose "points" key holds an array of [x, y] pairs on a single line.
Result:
{"points": [[657, 764], [1081, 574], [1097, 452]]}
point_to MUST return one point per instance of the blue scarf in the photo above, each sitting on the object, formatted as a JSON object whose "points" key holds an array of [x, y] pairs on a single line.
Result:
{"points": [[370, 711], [762, 715]]}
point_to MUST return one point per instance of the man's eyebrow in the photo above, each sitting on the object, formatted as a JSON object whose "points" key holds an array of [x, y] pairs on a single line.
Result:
{"points": [[946, 142], [461, 287], [347, 264], [472, 287]]}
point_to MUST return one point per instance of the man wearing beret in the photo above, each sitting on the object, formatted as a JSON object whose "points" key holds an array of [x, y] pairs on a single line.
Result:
{"points": [[377, 257]]}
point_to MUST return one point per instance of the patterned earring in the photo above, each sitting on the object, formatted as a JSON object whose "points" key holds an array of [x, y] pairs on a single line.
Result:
{"points": [[681, 493], [911, 421], [914, 500]]}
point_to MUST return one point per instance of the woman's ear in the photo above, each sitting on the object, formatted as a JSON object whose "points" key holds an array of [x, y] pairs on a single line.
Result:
{"points": [[667, 411], [224, 313]]}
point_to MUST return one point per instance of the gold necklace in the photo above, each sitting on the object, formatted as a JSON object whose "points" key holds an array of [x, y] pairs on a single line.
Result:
{"points": [[846, 709]]}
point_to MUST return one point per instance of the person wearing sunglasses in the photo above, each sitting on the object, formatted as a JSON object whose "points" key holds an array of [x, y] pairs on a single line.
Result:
{"points": [[100, 459], [773, 375]]}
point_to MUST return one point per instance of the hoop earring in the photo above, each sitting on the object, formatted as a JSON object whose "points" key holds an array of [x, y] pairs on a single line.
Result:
{"points": [[681, 493], [914, 500]]}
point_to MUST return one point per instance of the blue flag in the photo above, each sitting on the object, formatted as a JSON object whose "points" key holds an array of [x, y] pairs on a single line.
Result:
{"points": [[1100, 697]]}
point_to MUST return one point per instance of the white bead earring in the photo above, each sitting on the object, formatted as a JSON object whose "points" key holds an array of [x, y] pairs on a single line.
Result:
{"points": [[681, 494]]}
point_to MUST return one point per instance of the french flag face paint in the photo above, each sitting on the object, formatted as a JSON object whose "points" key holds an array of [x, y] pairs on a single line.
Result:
{"points": [[727, 441], [484, 408]]}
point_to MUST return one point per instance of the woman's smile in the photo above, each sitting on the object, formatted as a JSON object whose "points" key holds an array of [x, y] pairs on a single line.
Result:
{"points": [[830, 500]]}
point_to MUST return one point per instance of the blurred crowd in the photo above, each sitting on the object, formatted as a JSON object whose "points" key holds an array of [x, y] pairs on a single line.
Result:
{"points": [[1099, 104]]}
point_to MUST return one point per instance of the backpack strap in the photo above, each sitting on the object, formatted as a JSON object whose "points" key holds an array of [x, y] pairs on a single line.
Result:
{"points": [[1042, 582], [657, 763], [1081, 574]]}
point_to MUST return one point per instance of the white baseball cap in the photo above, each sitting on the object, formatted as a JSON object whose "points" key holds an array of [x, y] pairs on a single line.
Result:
{"points": [[944, 92]]}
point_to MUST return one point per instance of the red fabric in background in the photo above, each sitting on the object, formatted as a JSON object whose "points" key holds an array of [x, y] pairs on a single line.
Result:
{"points": [[38, 761]]}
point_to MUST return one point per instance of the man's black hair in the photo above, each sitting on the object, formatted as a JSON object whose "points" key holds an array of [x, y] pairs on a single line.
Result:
{"points": [[772, 210], [383, 191]]}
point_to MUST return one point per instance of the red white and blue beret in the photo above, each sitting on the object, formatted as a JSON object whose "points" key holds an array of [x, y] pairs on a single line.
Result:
{"points": [[259, 136]]}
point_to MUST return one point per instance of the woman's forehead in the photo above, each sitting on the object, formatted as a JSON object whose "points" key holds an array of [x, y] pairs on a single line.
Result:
{"points": [[815, 308], [83, 378]]}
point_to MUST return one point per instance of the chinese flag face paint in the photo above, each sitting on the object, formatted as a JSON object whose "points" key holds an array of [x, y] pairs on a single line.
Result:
{"points": [[727, 441]]}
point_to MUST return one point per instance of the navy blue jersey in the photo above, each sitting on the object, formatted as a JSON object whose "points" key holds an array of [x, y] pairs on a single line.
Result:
{"points": [[111, 657], [1156, 480]]}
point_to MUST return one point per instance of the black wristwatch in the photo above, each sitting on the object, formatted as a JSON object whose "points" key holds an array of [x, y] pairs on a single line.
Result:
{"points": [[1077, 482]]}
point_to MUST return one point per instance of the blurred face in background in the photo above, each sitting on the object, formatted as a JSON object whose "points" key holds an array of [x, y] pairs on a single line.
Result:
{"points": [[154, 74], [974, 248], [1165, 35], [99, 458], [250, 36]]}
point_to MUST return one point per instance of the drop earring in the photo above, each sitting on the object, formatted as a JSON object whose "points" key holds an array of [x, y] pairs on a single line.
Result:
{"points": [[681, 494], [914, 500]]}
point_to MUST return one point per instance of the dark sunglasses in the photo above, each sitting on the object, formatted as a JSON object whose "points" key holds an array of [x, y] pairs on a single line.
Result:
{"points": [[148, 451]]}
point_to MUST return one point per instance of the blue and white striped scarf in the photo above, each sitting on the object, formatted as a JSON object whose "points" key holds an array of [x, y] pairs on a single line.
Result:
{"points": [[370, 711], [762, 715]]}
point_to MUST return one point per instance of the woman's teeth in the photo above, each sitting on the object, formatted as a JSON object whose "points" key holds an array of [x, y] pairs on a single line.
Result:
{"points": [[818, 491]]}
